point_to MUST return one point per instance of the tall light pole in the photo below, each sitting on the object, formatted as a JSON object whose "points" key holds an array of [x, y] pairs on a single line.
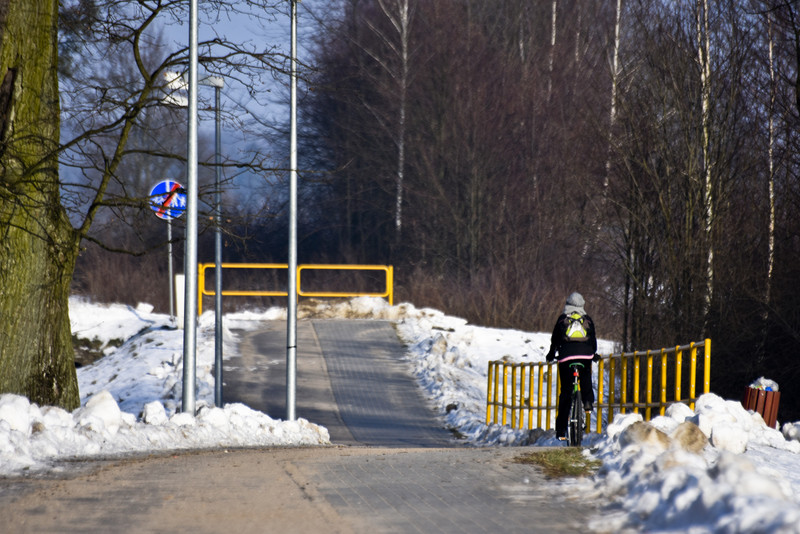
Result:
{"points": [[291, 329], [190, 252], [218, 84]]}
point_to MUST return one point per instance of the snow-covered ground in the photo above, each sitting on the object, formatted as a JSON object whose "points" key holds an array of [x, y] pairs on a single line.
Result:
{"points": [[747, 479]]}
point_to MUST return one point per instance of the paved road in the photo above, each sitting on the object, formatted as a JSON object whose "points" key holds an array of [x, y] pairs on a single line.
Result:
{"points": [[352, 378], [380, 477], [330, 490]]}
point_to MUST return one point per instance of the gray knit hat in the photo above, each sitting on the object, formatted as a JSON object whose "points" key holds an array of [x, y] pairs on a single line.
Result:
{"points": [[575, 303]]}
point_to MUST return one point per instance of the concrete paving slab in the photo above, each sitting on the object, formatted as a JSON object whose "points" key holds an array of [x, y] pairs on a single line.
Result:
{"points": [[379, 400], [360, 490]]}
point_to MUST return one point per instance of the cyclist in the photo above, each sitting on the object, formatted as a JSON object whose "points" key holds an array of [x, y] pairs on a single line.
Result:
{"points": [[573, 340]]}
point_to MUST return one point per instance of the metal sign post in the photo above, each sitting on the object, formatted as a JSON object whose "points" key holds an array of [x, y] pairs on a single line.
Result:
{"points": [[170, 272]]}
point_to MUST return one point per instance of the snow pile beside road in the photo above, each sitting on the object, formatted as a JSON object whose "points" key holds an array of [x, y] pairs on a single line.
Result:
{"points": [[31, 437], [130, 398], [659, 482]]}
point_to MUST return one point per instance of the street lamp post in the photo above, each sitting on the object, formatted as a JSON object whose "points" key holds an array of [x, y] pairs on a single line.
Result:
{"points": [[217, 83], [175, 81], [291, 329], [190, 251]]}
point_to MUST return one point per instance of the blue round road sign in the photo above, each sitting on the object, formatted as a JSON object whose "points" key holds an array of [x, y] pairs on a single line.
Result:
{"points": [[168, 199]]}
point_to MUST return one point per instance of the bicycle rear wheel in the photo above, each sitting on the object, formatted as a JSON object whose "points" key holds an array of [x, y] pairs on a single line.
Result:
{"points": [[576, 420]]}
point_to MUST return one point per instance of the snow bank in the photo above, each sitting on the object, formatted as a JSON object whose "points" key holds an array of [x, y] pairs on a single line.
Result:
{"points": [[32, 437], [130, 398], [660, 483]]}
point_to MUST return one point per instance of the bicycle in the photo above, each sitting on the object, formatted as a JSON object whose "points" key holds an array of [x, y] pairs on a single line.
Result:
{"points": [[577, 416]]}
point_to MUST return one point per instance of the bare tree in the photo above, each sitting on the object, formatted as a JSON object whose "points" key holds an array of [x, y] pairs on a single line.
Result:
{"points": [[770, 181], [515, 153], [105, 102], [704, 63], [491, 162], [612, 109], [682, 156], [400, 14]]}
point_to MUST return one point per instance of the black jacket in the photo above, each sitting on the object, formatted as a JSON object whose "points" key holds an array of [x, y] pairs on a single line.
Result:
{"points": [[559, 343]]}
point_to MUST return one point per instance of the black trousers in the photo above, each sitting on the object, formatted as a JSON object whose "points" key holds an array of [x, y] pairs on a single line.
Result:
{"points": [[587, 393]]}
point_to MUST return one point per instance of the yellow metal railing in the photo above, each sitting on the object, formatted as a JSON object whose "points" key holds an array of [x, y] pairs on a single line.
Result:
{"points": [[388, 293], [516, 393]]}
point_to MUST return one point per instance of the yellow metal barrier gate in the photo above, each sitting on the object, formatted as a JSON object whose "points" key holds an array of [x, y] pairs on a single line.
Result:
{"points": [[388, 293], [515, 392]]}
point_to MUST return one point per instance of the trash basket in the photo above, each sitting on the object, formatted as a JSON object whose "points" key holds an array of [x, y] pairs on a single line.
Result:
{"points": [[764, 402]]}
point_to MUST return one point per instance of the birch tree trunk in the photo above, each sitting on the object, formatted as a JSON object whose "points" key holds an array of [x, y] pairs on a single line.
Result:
{"points": [[704, 60], [398, 14], [552, 51], [612, 113], [38, 246], [612, 119], [770, 188]]}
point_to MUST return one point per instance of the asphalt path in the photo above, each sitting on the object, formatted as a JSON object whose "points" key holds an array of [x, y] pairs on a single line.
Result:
{"points": [[392, 467], [352, 377]]}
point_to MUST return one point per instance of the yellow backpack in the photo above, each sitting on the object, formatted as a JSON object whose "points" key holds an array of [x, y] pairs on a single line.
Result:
{"points": [[576, 330]]}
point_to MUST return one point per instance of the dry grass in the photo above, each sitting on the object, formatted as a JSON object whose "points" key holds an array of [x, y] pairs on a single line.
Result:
{"points": [[561, 462], [488, 300]]}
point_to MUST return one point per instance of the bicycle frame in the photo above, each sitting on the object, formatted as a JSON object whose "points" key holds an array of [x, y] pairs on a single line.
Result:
{"points": [[577, 421]]}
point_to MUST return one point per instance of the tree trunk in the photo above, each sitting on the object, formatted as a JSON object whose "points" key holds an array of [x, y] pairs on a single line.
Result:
{"points": [[399, 14], [704, 60], [38, 245], [761, 353], [552, 51]]}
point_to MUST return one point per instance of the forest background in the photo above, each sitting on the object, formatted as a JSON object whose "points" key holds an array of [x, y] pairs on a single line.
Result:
{"points": [[502, 154]]}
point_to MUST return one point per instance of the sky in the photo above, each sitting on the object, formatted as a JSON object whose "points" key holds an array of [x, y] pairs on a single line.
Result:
{"points": [[269, 106], [260, 33], [745, 480]]}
